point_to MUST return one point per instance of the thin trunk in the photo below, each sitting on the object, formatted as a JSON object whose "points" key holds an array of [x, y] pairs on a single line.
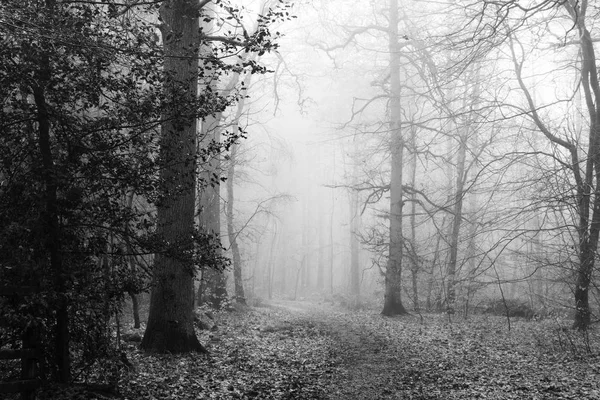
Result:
{"points": [[393, 274], [413, 217], [354, 262], [235, 250], [431, 280], [589, 228], [135, 305], [321, 251], [50, 220], [53, 240], [306, 251], [238, 281], [456, 222], [354, 231], [170, 322], [588, 185], [209, 202], [209, 210], [271, 267]]}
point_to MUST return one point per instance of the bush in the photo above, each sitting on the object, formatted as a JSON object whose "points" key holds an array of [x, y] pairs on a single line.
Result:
{"points": [[516, 308]]}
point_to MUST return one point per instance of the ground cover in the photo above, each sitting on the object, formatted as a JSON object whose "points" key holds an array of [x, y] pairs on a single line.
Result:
{"points": [[302, 350]]}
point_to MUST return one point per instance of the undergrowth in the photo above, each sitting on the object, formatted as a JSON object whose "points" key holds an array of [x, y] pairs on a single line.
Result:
{"points": [[296, 350]]}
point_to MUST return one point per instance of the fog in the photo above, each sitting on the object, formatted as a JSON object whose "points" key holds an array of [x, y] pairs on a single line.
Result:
{"points": [[478, 222]]}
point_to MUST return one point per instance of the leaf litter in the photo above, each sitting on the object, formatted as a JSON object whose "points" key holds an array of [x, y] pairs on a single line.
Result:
{"points": [[295, 350]]}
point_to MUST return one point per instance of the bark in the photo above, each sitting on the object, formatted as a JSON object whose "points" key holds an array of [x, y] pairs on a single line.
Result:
{"points": [[170, 322], [393, 274]]}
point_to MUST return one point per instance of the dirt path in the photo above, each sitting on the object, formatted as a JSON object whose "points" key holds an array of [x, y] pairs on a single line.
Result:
{"points": [[368, 360], [305, 351], [409, 358]]}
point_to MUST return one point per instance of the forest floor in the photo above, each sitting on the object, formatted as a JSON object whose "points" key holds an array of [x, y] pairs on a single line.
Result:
{"points": [[302, 350]]}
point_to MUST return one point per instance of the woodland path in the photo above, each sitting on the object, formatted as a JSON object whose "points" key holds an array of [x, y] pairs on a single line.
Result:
{"points": [[435, 358], [367, 361], [286, 350]]}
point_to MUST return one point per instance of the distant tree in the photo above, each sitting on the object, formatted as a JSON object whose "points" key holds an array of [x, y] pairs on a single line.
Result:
{"points": [[232, 233], [395, 148], [393, 274]]}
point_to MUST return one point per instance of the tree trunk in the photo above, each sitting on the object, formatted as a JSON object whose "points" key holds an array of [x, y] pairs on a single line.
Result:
{"points": [[393, 274], [354, 231], [238, 281], [50, 219], [135, 305], [415, 263], [209, 209], [271, 266], [235, 250], [170, 322], [589, 227], [305, 281], [321, 252], [456, 222]]}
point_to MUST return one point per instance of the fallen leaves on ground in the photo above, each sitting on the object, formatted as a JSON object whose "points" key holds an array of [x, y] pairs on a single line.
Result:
{"points": [[295, 350]]}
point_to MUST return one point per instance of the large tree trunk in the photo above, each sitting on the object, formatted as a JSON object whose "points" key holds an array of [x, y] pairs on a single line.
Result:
{"points": [[170, 322], [393, 274]]}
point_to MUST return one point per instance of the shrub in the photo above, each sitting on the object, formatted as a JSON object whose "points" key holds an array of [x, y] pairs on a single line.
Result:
{"points": [[515, 308]]}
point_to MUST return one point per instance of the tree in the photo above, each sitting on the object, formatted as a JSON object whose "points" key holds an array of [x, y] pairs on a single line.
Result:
{"points": [[587, 183], [81, 99], [238, 282], [393, 274], [572, 156], [354, 234], [170, 321]]}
